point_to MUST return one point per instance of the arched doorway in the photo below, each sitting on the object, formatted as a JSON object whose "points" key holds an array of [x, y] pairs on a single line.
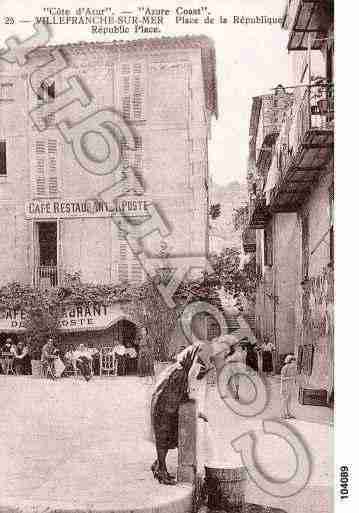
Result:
{"points": [[126, 333]]}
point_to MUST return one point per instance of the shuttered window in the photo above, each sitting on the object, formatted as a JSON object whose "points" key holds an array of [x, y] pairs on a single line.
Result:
{"points": [[268, 245], [133, 158], [6, 92], [46, 172], [132, 90], [129, 267], [3, 170]]}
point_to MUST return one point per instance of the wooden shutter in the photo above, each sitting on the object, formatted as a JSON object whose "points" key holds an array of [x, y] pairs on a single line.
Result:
{"points": [[123, 274], [137, 272], [46, 173], [3, 170], [40, 155], [52, 167], [132, 90]]}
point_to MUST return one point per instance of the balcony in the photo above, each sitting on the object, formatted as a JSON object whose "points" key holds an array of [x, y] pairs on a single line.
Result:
{"points": [[308, 22], [249, 240], [304, 148], [47, 276], [258, 212]]}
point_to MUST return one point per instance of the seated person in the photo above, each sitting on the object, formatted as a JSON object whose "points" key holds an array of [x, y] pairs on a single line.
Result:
{"points": [[8, 348], [21, 359], [83, 357], [48, 355]]}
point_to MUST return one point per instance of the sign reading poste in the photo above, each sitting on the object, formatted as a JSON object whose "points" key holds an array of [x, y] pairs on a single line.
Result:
{"points": [[59, 208]]}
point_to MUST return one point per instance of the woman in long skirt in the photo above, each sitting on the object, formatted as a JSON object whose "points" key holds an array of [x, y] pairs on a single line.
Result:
{"points": [[145, 365], [173, 387], [170, 391]]}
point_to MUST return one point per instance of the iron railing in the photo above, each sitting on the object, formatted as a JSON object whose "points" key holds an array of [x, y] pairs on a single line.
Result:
{"points": [[312, 110], [47, 276]]}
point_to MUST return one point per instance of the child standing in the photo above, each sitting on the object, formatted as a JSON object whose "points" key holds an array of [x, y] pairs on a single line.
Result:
{"points": [[287, 384]]}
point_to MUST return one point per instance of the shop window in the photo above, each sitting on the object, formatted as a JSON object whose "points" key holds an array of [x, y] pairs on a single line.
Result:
{"points": [[268, 245], [3, 169]]}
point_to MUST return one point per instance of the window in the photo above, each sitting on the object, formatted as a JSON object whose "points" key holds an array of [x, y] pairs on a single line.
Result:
{"points": [[46, 169], [46, 94], [46, 91], [3, 170], [6, 92], [268, 245]]}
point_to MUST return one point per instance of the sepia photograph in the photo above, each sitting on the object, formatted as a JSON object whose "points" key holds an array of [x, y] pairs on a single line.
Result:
{"points": [[167, 250]]}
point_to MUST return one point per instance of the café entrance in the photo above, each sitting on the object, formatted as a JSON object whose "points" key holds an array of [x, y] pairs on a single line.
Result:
{"points": [[45, 250], [125, 332]]}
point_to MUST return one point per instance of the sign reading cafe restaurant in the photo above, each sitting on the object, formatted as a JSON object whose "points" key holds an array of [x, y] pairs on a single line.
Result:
{"points": [[58, 208]]}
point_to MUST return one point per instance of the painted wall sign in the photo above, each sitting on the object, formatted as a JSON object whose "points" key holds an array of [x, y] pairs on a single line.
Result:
{"points": [[58, 208], [77, 318]]}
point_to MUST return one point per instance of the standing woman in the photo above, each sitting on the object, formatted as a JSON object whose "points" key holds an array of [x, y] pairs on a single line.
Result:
{"points": [[171, 390], [267, 349], [145, 365]]}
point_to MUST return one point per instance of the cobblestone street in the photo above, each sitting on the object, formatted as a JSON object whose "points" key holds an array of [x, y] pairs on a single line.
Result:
{"points": [[85, 444]]}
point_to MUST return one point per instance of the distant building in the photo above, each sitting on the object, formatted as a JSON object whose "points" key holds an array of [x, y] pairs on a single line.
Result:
{"points": [[223, 233], [291, 183]]}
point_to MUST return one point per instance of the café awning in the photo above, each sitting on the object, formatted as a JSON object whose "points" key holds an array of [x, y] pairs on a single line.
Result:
{"points": [[75, 319]]}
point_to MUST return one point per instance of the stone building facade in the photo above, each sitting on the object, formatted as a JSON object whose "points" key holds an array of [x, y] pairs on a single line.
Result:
{"points": [[166, 92], [291, 204], [56, 217]]}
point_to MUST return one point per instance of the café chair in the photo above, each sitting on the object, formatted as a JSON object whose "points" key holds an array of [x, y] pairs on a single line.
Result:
{"points": [[108, 362]]}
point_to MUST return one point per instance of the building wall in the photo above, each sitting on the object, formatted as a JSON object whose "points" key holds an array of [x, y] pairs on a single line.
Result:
{"points": [[173, 162], [286, 274]]}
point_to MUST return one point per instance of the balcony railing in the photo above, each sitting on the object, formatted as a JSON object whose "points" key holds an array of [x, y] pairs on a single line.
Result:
{"points": [[308, 22], [305, 143], [47, 276], [258, 211]]}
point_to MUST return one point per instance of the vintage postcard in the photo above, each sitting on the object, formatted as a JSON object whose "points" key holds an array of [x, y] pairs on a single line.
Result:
{"points": [[167, 257]]}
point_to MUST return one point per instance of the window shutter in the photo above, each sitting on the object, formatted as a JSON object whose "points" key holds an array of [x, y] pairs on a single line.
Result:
{"points": [[52, 167], [136, 271], [6, 92], [138, 92], [46, 175], [138, 164], [132, 90], [3, 170], [40, 182], [123, 261]]}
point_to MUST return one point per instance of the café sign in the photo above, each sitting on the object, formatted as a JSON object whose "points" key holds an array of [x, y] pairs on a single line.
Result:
{"points": [[76, 318], [74, 208]]}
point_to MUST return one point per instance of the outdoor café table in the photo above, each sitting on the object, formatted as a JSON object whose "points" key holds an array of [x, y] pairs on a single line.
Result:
{"points": [[7, 360], [88, 353]]}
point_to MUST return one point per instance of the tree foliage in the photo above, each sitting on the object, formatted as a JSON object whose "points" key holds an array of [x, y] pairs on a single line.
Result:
{"points": [[234, 275], [44, 308]]}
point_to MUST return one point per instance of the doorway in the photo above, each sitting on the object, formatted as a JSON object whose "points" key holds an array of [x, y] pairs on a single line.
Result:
{"points": [[46, 254]]}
